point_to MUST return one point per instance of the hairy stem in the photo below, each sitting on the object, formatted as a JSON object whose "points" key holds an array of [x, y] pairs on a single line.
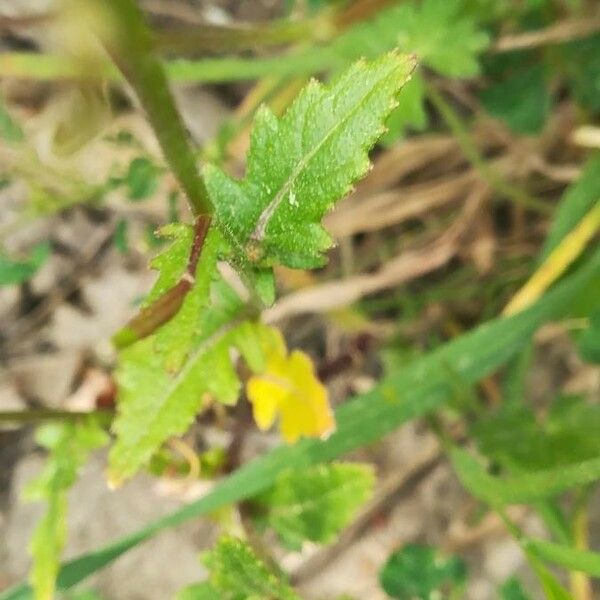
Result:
{"points": [[131, 45]]}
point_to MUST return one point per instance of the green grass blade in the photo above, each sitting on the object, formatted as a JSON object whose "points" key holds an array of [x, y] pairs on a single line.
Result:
{"points": [[520, 489], [568, 557], [420, 388]]}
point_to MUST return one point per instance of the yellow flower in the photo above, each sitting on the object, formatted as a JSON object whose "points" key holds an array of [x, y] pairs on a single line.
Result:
{"points": [[288, 387]]}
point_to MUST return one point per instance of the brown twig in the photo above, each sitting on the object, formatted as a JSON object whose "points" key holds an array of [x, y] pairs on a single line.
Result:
{"points": [[565, 31]]}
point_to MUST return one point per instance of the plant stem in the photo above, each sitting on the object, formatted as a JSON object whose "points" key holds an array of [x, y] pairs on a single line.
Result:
{"points": [[494, 179], [131, 46], [581, 586], [166, 306]]}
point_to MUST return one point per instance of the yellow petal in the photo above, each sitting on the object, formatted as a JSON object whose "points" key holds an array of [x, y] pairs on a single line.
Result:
{"points": [[289, 387], [265, 397]]}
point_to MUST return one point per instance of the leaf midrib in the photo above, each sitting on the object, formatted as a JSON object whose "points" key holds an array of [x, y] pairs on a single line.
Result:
{"points": [[265, 217]]}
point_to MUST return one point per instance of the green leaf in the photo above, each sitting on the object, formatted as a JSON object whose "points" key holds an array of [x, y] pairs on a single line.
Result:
{"points": [[515, 438], [519, 489], [421, 572], [437, 31], [69, 445], [443, 38], [198, 591], [315, 503], [522, 99], [120, 237], [419, 388], [14, 272], [582, 66], [236, 573], [10, 131], [589, 340], [141, 179], [553, 590], [174, 339], [568, 557], [410, 112], [511, 589], [159, 398], [299, 165], [576, 202], [171, 262]]}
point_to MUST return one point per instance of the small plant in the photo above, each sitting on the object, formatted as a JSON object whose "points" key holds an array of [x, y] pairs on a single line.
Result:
{"points": [[198, 340]]}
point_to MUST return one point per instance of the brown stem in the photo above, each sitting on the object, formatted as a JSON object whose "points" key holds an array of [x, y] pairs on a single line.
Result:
{"points": [[150, 318]]}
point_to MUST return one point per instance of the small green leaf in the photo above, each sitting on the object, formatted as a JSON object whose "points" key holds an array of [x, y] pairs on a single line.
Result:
{"points": [[141, 179], [589, 340], [316, 503], [522, 99], [515, 438], [174, 338], [511, 589], [582, 66], [301, 164], [421, 572], [14, 272], [120, 237], [69, 445], [236, 573], [410, 112], [10, 131], [443, 38]]}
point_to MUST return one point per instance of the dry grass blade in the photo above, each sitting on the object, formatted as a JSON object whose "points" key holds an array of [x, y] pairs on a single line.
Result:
{"points": [[403, 268]]}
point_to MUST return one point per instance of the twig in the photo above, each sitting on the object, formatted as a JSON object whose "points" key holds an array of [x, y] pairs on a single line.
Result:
{"points": [[565, 31]]}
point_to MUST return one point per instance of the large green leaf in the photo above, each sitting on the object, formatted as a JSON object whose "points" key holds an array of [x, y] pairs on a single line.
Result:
{"points": [[159, 398], [422, 386], [315, 503], [299, 165]]}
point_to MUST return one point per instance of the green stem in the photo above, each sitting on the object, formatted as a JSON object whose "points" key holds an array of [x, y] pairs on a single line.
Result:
{"points": [[131, 45], [48, 67], [471, 152]]}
